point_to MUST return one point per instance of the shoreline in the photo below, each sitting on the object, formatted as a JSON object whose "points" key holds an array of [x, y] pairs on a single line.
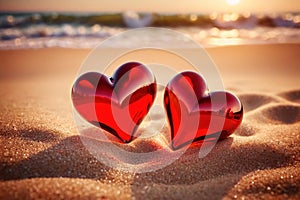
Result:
{"points": [[232, 62]]}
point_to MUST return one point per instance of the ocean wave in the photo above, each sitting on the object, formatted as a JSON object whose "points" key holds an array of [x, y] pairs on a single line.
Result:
{"points": [[35, 30], [132, 19]]}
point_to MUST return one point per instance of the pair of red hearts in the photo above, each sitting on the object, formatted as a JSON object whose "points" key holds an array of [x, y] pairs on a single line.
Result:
{"points": [[119, 104]]}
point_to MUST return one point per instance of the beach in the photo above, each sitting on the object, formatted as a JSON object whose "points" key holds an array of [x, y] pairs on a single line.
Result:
{"points": [[42, 156]]}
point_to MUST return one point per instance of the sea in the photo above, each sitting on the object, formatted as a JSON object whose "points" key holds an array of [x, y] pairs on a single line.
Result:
{"points": [[87, 30]]}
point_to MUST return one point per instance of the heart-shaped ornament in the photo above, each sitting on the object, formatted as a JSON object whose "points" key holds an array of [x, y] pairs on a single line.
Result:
{"points": [[195, 115], [117, 104]]}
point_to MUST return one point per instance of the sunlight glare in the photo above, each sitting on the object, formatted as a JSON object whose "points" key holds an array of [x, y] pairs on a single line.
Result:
{"points": [[233, 2]]}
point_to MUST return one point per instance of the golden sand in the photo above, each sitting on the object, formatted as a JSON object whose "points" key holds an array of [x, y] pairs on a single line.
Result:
{"points": [[42, 156]]}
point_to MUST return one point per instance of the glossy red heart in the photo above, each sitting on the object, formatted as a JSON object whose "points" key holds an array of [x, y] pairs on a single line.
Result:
{"points": [[117, 104], [195, 114]]}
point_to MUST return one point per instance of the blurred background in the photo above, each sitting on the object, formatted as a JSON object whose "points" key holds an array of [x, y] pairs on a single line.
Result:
{"points": [[78, 24]]}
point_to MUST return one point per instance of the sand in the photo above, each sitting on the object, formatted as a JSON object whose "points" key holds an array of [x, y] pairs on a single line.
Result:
{"points": [[42, 156]]}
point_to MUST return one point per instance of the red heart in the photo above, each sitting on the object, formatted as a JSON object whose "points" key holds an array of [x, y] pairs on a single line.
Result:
{"points": [[195, 114], [117, 104]]}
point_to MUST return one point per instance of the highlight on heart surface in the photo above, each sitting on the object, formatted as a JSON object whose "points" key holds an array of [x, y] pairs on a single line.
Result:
{"points": [[117, 104], [195, 114]]}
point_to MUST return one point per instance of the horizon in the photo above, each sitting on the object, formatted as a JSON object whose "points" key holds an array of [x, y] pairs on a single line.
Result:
{"points": [[177, 6], [145, 12]]}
